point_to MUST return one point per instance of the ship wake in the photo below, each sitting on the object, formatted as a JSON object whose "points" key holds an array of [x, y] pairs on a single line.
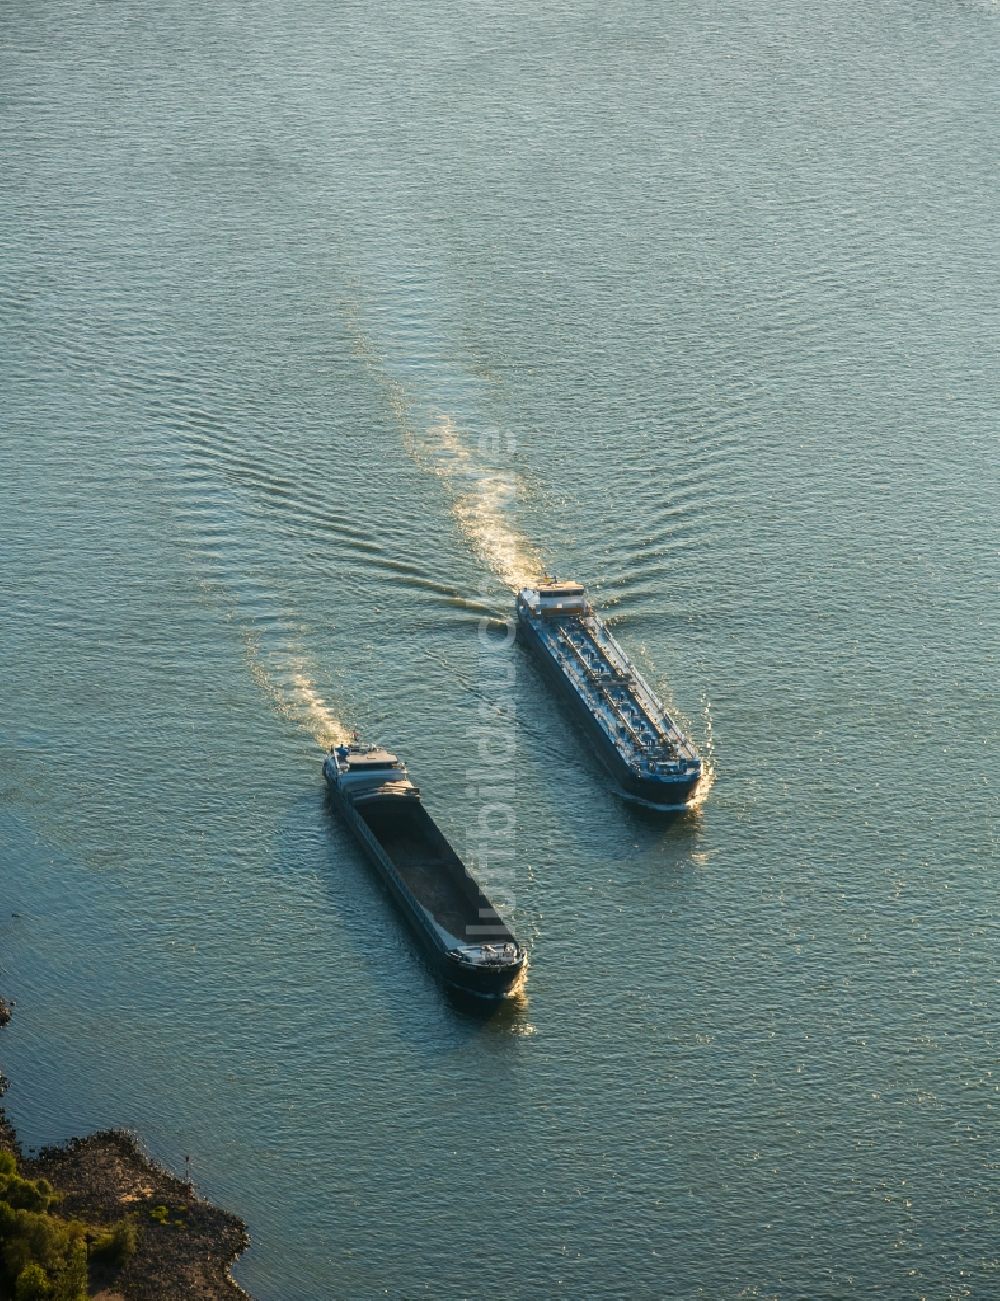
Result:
{"points": [[482, 486], [482, 501], [209, 517]]}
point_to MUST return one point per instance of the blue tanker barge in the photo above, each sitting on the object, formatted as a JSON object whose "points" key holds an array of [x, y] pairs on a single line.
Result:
{"points": [[466, 939], [652, 761]]}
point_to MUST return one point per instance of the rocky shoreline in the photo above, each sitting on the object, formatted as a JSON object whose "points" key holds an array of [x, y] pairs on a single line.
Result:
{"points": [[184, 1245]]}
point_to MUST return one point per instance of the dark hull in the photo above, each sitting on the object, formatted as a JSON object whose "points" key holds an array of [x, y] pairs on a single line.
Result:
{"points": [[463, 903], [658, 792]]}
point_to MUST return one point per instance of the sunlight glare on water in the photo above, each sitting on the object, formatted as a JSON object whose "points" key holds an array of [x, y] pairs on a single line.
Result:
{"points": [[484, 502], [482, 486]]}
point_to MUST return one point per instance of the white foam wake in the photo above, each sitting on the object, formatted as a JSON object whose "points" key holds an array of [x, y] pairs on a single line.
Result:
{"points": [[212, 523], [482, 485]]}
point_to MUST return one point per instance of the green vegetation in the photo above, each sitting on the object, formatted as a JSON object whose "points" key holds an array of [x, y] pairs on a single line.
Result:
{"points": [[44, 1256], [161, 1214], [114, 1246]]}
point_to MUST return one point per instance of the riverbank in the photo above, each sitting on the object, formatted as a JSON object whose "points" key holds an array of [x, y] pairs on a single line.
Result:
{"points": [[184, 1246]]}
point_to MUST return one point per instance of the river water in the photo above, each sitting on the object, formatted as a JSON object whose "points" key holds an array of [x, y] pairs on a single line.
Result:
{"points": [[325, 326]]}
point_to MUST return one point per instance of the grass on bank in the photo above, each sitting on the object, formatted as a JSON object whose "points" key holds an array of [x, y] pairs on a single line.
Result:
{"points": [[44, 1256]]}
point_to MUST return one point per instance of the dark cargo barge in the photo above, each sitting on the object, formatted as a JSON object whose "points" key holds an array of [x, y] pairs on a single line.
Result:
{"points": [[651, 760], [465, 937]]}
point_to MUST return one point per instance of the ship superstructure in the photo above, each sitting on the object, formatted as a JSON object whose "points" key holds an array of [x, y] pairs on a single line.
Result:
{"points": [[651, 759]]}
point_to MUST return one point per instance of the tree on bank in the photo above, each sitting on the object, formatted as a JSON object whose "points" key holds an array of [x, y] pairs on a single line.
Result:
{"points": [[44, 1257]]}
